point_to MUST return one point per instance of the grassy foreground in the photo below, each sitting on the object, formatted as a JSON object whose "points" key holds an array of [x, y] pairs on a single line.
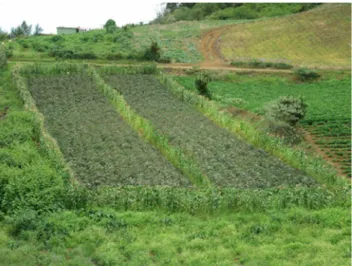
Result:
{"points": [[319, 37], [106, 237]]}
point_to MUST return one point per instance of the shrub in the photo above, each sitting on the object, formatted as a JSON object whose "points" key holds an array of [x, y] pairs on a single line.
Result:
{"points": [[153, 53], [110, 26], [304, 74], [288, 109], [201, 83], [283, 130], [57, 38], [3, 57]]}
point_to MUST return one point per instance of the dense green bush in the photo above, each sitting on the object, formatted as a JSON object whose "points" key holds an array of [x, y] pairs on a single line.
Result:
{"points": [[304, 74], [153, 53], [110, 26], [3, 57], [57, 38], [201, 83], [288, 109]]}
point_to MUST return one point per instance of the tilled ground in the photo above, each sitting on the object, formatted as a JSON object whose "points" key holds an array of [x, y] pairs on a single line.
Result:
{"points": [[227, 160], [100, 147]]}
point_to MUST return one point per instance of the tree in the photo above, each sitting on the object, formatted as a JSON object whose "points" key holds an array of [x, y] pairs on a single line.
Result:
{"points": [[201, 83], [3, 35], [27, 29], [110, 26], [38, 30], [16, 32]]}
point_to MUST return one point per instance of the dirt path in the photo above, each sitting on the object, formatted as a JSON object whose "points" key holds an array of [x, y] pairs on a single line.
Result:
{"points": [[210, 46]]}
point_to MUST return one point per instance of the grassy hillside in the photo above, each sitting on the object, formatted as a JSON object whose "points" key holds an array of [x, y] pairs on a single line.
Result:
{"points": [[320, 37], [178, 41]]}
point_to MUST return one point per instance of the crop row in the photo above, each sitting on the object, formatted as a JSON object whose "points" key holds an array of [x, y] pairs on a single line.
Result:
{"points": [[225, 159], [98, 145]]}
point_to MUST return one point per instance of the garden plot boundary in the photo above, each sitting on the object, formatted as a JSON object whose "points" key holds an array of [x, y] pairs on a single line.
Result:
{"points": [[209, 200]]}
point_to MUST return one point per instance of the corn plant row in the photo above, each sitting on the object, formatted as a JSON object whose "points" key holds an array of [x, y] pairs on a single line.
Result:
{"points": [[216, 200], [146, 129], [315, 167], [47, 143]]}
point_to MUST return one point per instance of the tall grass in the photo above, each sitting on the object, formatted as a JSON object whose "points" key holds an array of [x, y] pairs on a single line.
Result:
{"points": [[313, 166], [176, 156], [216, 200]]}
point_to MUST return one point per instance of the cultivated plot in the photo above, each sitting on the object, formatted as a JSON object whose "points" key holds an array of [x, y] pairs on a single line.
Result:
{"points": [[100, 147], [224, 158]]}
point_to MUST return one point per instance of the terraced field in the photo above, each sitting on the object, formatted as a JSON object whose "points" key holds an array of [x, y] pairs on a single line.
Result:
{"points": [[100, 147], [226, 160]]}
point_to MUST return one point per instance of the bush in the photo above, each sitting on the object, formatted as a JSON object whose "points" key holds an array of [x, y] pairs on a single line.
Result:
{"points": [[3, 57], [153, 53], [110, 26], [288, 109], [283, 130], [57, 38], [201, 83], [304, 74]]}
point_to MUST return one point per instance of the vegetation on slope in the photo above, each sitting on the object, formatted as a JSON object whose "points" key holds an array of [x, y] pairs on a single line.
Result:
{"points": [[223, 11], [329, 123], [320, 37]]}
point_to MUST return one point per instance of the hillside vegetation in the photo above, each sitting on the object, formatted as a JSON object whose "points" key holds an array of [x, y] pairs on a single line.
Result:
{"points": [[320, 37], [224, 11]]}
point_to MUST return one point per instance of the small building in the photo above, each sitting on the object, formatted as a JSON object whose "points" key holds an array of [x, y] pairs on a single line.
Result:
{"points": [[69, 30]]}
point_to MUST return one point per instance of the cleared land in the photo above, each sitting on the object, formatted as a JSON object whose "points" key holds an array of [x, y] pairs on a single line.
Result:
{"points": [[328, 118], [320, 37], [100, 147], [226, 160]]}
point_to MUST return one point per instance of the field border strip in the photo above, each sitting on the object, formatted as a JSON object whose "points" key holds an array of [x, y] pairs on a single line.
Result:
{"points": [[217, 199], [46, 140], [145, 129], [313, 166]]}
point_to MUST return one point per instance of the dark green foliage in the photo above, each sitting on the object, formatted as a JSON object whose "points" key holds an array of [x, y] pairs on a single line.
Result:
{"points": [[57, 38], [224, 11], [3, 35], [304, 74], [201, 84], [153, 53], [261, 64], [3, 57], [38, 30], [101, 147], [62, 53], [39, 46], [225, 160], [110, 26], [288, 109]]}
